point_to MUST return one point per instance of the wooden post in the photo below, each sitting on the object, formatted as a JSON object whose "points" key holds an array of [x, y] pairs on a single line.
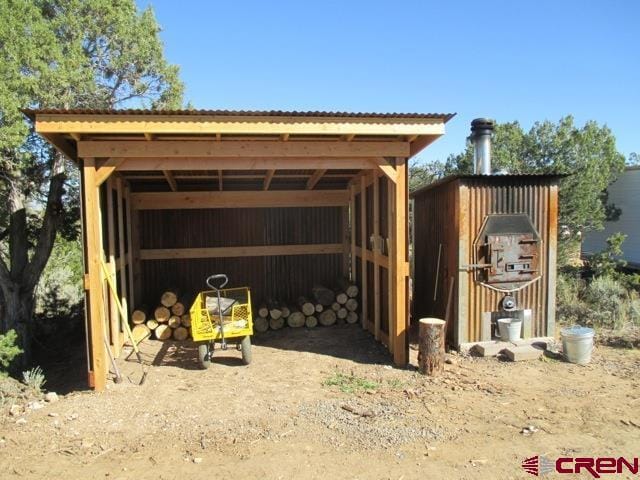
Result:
{"points": [[98, 365], [376, 256], [552, 245], [114, 316], [352, 231], [133, 242], [124, 259], [431, 348], [391, 248], [363, 249], [345, 242], [401, 265], [461, 311]]}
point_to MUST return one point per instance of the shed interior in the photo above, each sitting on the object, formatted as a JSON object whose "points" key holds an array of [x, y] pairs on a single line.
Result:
{"points": [[279, 201]]}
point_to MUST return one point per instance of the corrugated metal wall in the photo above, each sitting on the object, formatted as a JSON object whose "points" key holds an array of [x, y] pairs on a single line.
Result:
{"points": [[451, 214], [280, 277]]}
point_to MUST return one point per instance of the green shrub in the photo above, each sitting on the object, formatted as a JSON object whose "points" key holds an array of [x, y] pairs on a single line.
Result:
{"points": [[8, 348], [34, 379], [608, 300]]}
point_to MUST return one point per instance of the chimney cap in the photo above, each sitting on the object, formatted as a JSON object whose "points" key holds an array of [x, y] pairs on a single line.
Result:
{"points": [[482, 126]]}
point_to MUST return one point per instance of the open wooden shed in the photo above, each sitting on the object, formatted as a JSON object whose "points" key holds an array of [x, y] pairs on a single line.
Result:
{"points": [[274, 199]]}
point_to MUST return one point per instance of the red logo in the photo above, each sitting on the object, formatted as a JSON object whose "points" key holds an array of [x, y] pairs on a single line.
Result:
{"points": [[595, 466], [538, 465]]}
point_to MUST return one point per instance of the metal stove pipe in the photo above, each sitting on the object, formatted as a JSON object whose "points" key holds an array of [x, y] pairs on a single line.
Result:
{"points": [[481, 131]]}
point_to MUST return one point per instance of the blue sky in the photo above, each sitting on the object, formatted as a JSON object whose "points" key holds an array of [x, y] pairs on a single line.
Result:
{"points": [[509, 60]]}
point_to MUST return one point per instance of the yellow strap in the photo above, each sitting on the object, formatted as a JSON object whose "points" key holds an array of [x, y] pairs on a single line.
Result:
{"points": [[123, 316]]}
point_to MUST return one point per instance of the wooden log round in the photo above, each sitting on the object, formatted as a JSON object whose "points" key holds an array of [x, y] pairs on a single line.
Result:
{"points": [[263, 311], [276, 323], [180, 333], [349, 288], [138, 317], [327, 318], [177, 309], [311, 321], [260, 324], [351, 305], [335, 306], [169, 298], [286, 311], [341, 298], [296, 319], [323, 295], [306, 306], [342, 313], [352, 317], [152, 324], [275, 313], [319, 307], [162, 314], [431, 346], [174, 321], [140, 332], [185, 320], [163, 332]]}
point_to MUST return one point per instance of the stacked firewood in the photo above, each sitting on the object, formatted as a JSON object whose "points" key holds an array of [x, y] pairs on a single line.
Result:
{"points": [[324, 306], [170, 320]]}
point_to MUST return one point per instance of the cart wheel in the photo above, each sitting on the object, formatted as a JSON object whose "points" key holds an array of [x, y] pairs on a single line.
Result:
{"points": [[204, 355], [245, 346]]}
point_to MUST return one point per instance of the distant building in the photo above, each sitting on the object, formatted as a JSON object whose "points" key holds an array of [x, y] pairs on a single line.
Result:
{"points": [[625, 194]]}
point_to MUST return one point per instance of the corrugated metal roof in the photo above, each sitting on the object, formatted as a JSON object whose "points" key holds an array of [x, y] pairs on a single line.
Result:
{"points": [[505, 177], [235, 113]]}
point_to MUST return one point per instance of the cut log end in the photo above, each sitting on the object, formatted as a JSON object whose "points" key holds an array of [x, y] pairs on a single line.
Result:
{"points": [[174, 321], [327, 318], [178, 309], [163, 332], [276, 323], [296, 319], [138, 317], [260, 324], [185, 320], [351, 305], [162, 314], [140, 332], [352, 317], [311, 321], [180, 333], [152, 324], [169, 299]]}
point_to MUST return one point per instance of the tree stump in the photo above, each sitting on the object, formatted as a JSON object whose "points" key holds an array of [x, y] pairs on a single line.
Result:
{"points": [[431, 351]]}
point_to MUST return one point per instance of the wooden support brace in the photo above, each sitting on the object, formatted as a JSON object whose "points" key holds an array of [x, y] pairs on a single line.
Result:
{"points": [[315, 178], [106, 169], [114, 328], [387, 169], [268, 178], [170, 180]]}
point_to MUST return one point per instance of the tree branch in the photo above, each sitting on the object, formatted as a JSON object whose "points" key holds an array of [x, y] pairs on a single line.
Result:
{"points": [[50, 223]]}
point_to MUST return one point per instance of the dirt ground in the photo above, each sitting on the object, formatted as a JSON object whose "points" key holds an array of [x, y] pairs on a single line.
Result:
{"points": [[326, 403]]}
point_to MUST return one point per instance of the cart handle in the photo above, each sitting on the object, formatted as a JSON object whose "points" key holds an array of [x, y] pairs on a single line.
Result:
{"points": [[217, 276]]}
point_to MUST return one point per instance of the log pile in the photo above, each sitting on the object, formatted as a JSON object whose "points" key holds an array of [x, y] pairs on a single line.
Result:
{"points": [[170, 319], [323, 306]]}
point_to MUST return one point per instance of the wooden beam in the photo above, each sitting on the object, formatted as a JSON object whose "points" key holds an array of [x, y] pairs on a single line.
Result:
{"points": [[315, 178], [400, 271], [239, 199], [386, 168], [124, 291], [376, 256], [106, 169], [133, 246], [245, 125], [344, 213], [268, 178], [204, 163], [170, 180], [364, 292], [244, 149], [230, 252], [61, 144], [410, 138], [114, 316], [98, 366], [282, 174], [284, 137], [461, 312], [421, 143], [382, 260], [552, 259], [220, 180], [391, 253], [76, 136], [349, 137], [148, 136], [352, 231]]}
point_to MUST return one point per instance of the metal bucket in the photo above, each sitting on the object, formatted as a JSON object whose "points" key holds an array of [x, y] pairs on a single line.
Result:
{"points": [[577, 344], [510, 329]]}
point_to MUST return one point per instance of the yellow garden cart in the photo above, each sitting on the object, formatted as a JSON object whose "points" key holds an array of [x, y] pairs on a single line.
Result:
{"points": [[222, 315]]}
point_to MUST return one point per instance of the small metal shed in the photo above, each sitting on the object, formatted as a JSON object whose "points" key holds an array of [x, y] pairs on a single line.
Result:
{"points": [[453, 268]]}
